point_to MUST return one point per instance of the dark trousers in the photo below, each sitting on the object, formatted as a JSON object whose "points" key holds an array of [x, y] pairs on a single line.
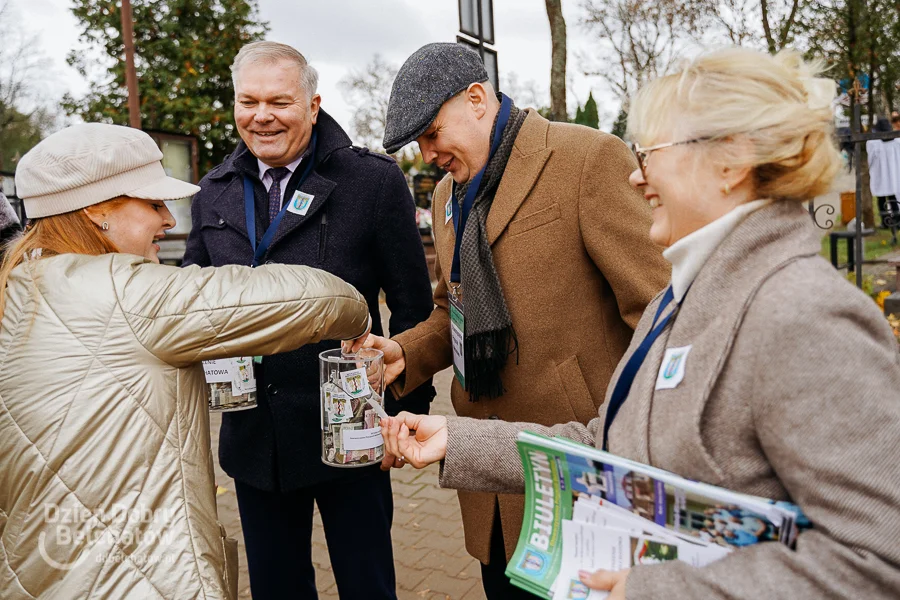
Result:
{"points": [[493, 576], [356, 515]]}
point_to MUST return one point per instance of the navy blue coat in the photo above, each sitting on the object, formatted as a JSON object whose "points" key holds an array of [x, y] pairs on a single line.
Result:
{"points": [[361, 227]]}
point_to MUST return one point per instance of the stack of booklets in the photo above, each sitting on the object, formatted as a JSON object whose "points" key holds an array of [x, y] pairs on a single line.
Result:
{"points": [[588, 509]]}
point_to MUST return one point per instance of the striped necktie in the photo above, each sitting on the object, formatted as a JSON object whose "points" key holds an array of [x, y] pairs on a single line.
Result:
{"points": [[277, 174]]}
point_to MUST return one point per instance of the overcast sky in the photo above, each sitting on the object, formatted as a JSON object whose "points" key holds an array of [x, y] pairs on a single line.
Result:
{"points": [[338, 36]]}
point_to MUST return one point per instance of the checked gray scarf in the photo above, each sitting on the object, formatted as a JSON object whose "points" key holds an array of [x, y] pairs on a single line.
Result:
{"points": [[489, 337]]}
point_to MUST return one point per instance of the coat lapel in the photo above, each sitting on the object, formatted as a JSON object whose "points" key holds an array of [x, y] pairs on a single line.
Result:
{"points": [[229, 211], [317, 186], [442, 229], [629, 434], [529, 155]]}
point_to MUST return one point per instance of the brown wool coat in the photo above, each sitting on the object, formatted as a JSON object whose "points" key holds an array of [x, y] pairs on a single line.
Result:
{"points": [[570, 243], [791, 391]]}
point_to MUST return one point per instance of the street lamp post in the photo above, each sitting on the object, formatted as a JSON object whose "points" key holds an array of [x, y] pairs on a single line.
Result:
{"points": [[476, 28]]}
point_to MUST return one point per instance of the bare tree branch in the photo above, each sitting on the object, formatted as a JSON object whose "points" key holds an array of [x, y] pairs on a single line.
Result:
{"points": [[19, 68], [640, 39], [788, 24], [764, 5], [368, 92]]}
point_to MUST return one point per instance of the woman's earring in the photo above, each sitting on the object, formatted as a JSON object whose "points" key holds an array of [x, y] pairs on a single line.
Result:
{"points": [[727, 189], [104, 226]]}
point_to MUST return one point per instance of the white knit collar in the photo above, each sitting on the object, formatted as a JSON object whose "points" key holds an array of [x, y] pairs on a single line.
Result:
{"points": [[690, 253]]}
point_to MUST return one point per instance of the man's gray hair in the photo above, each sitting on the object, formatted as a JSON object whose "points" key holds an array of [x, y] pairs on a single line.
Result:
{"points": [[271, 52]]}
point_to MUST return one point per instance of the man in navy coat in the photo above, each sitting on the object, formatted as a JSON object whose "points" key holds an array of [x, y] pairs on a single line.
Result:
{"points": [[350, 213]]}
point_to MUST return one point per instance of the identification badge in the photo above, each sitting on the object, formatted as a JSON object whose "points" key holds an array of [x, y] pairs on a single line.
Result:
{"points": [[448, 211], [671, 372], [300, 203], [457, 337]]}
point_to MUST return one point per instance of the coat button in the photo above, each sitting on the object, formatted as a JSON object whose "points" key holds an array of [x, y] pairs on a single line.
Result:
{"points": [[271, 389], [494, 418], [221, 221]]}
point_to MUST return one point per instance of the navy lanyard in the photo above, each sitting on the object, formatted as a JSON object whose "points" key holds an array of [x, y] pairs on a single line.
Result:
{"points": [[250, 209], [459, 220], [626, 379]]}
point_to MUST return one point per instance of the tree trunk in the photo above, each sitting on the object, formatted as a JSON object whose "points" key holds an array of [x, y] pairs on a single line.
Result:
{"points": [[868, 208], [767, 29], [558, 110]]}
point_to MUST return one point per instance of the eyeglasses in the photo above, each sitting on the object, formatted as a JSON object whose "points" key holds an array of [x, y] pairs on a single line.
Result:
{"points": [[643, 154]]}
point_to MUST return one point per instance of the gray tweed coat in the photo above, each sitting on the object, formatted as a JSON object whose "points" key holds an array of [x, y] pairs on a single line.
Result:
{"points": [[791, 391]]}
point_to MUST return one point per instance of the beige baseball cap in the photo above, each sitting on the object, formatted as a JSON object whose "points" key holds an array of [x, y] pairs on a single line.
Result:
{"points": [[90, 163]]}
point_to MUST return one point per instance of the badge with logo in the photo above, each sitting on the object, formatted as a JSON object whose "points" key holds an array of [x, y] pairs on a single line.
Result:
{"points": [[672, 370], [448, 211], [300, 203]]}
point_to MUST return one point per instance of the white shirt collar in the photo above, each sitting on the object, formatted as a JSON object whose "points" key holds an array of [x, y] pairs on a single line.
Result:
{"points": [[690, 253], [263, 167]]}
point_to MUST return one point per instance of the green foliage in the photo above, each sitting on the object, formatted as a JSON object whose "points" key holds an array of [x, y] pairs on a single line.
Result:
{"points": [[588, 115], [19, 133], [856, 36], [183, 55], [411, 161], [621, 123], [545, 112]]}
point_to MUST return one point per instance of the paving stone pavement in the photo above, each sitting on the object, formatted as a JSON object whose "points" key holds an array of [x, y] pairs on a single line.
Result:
{"points": [[429, 553]]}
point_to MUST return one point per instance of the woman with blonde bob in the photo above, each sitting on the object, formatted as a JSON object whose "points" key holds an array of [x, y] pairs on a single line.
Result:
{"points": [[788, 385], [106, 483]]}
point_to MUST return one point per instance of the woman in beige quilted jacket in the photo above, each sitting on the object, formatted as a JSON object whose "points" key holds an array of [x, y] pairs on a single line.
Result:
{"points": [[106, 476]]}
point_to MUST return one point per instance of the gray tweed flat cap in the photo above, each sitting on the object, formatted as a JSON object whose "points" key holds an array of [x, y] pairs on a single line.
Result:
{"points": [[431, 76]]}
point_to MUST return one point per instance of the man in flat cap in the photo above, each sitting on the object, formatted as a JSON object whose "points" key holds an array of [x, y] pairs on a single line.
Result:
{"points": [[544, 266]]}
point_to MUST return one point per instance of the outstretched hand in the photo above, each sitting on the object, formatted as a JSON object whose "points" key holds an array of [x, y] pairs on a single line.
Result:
{"points": [[394, 361], [419, 440], [353, 346]]}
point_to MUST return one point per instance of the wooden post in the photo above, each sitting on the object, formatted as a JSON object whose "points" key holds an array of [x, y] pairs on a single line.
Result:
{"points": [[480, 30], [134, 101]]}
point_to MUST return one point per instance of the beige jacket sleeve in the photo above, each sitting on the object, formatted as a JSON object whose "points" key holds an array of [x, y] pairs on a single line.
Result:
{"points": [[482, 455], [615, 225], [184, 316]]}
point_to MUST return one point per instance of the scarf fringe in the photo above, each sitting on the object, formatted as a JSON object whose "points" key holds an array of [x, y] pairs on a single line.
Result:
{"points": [[486, 354]]}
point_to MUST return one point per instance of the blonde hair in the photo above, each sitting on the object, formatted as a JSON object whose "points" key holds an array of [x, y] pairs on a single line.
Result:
{"points": [[66, 233], [272, 52], [743, 95]]}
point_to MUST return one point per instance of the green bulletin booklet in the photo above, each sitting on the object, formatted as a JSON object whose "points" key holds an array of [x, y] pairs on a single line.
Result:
{"points": [[563, 477]]}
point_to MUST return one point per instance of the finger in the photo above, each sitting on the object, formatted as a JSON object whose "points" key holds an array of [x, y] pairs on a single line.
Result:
{"points": [[370, 341], [386, 434], [393, 428], [387, 462], [391, 373], [357, 344], [412, 421], [598, 580], [404, 445]]}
